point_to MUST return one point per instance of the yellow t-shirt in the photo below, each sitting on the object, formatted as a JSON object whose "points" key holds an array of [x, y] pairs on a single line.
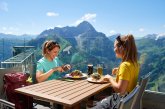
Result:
{"points": [[130, 72]]}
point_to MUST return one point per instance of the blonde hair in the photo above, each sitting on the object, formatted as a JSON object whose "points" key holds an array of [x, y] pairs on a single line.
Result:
{"points": [[129, 48], [48, 46]]}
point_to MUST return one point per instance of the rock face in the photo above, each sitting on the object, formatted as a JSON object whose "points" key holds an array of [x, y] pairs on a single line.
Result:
{"points": [[83, 41]]}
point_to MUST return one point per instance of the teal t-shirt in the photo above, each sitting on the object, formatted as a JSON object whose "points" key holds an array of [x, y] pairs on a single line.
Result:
{"points": [[45, 65]]}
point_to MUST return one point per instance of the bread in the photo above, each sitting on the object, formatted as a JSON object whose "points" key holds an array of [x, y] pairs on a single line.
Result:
{"points": [[96, 76]]}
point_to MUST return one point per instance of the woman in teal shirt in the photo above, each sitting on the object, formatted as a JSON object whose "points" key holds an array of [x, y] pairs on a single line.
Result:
{"points": [[49, 66]]}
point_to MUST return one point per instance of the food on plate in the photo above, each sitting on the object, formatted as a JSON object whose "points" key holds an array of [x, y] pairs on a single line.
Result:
{"points": [[96, 76], [76, 73], [106, 79], [66, 67]]}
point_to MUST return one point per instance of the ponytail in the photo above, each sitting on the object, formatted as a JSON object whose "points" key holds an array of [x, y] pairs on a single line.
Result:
{"points": [[130, 50]]}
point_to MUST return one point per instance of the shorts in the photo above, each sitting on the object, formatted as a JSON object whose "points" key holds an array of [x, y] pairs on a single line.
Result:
{"points": [[111, 102]]}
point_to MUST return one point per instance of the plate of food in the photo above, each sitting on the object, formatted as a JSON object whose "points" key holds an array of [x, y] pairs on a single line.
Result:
{"points": [[96, 78], [76, 74]]}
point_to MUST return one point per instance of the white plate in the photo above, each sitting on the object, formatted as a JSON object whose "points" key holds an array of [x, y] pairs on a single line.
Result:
{"points": [[100, 81], [76, 77]]}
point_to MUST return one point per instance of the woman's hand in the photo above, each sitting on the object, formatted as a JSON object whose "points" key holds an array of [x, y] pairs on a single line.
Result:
{"points": [[60, 69], [66, 67], [115, 70], [107, 78]]}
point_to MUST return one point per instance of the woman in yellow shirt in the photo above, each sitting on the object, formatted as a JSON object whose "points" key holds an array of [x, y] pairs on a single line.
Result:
{"points": [[126, 74]]}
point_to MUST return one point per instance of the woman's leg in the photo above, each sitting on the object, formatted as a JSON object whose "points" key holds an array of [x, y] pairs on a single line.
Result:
{"points": [[110, 102], [103, 104]]}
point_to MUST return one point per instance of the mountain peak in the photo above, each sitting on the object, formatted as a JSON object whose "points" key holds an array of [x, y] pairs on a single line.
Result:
{"points": [[151, 36], [155, 36], [86, 26]]}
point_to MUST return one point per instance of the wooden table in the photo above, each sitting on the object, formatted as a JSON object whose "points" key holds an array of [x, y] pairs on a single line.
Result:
{"points": [[63, 92]]}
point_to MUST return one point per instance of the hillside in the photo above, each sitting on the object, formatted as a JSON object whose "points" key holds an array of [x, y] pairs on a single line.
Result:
{"points": [[7, 41], [90, 46], [152, 59], [87, 45]]}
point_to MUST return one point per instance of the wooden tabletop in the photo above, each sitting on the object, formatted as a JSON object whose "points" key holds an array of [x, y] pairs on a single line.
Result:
{"points": [[63, 92]]}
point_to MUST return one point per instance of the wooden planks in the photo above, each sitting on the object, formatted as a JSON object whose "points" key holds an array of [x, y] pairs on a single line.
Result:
{"points": [[63, 92]]}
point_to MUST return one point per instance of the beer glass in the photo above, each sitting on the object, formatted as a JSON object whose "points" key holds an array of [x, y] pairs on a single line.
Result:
{"points": [[100, 69], [90, 69]]}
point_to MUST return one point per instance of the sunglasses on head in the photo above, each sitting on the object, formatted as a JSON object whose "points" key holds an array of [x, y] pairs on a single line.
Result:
{"points": [[119, 40], [51, 44]]}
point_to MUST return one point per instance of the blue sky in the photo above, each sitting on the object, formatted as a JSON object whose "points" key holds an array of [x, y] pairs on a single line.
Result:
{"points": [[139, 17]]}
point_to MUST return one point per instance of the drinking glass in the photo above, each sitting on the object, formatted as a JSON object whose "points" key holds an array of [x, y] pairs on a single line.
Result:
{"points": [[100, 69], [90, 69]]}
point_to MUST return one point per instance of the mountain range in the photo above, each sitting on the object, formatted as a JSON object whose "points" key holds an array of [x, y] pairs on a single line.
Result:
{"points": [[10, 36], [86, 44], [82, 44]]}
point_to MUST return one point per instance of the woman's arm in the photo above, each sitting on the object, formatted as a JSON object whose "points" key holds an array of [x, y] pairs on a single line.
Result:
{"points": [[40, 76], [115, 70], [120, 86]]}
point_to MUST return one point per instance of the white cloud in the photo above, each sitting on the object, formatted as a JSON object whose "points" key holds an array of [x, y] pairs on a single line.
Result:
{"points": [[4, 6], [59, 26], [141, 29], [112, 32], [87, 17], [52, 14]]}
